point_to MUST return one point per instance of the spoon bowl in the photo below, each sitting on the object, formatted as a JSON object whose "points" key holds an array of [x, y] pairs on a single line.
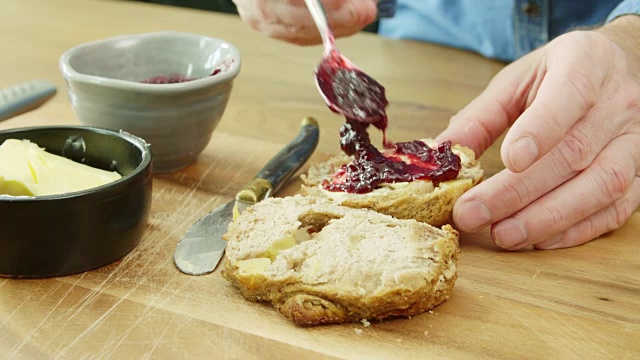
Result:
{"points": [[346, 89]]}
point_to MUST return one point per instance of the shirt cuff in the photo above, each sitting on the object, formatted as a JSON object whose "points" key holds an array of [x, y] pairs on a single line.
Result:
{"points": [[387, 8], [625, 8]]}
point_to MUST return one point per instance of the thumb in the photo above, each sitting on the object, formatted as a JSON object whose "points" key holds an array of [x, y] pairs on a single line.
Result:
{"points": [[485, 119]]}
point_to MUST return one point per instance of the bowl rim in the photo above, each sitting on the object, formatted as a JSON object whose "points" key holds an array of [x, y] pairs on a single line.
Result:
{"points": [[138, 142], [69, 73]]}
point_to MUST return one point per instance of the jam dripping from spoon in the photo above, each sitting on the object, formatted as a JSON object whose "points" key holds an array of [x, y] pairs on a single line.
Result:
{"points": [[347, 90], [363, 102]]}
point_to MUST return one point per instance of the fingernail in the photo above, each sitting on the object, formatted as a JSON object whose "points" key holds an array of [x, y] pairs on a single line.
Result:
{"points": [[523, 153], [472, 215], [510, 233]]}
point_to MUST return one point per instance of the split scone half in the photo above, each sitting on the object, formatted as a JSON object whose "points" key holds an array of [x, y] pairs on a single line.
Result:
{"points": [[419, 200], [318, 262]]}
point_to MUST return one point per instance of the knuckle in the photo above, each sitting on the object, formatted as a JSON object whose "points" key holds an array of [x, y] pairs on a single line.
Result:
{"points": [[611, 220], [588, 44], [262, 8], [622, 211], [575, 150], [556, 216], [615, 216], [484, 135], [583, 87], [592, 228], [329, 5], [353, 15], [587, 228], [553, 121], [518, 188], [357, 14], [631, 102], [614, 179], [301, 35]]}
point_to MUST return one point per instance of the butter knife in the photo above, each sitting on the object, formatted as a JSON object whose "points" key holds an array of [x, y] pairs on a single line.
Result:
{"points": [[201, 248]]}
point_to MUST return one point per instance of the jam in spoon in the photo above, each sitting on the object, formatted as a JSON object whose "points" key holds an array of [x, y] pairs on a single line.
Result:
{"points": [[346, 89]]}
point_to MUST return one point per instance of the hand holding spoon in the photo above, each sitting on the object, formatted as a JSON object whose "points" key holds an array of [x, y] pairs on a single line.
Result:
{"points": [[345, 88]]}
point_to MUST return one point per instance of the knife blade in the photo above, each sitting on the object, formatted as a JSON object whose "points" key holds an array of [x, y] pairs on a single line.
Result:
{"points": [[202, 246]]}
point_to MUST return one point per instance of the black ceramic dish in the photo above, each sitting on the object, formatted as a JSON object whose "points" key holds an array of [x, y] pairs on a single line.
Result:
{"points": [[65, 234]]}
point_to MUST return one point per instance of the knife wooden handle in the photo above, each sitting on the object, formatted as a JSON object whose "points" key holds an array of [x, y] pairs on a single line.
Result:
{"points": [[283, 165]]}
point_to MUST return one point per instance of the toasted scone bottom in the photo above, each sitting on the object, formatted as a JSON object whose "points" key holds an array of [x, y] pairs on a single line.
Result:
{"points": [[320, 263]]}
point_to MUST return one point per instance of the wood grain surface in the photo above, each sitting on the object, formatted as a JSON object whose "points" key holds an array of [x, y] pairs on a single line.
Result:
{"points": [[579, 303]]}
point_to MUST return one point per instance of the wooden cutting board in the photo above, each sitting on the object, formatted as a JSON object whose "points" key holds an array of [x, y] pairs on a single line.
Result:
{"points": [[579, 303], [576, 303]]}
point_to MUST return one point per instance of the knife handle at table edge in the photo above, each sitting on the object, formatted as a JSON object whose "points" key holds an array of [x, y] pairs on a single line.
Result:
{"points": [[283, 165], [24, 97]]}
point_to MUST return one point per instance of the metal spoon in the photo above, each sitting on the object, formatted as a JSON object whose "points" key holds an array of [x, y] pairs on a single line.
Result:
{"points": [[345, 88]]}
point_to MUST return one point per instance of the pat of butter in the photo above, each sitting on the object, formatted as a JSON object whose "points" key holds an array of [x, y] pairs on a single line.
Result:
{"points": [[277, 246], [253, 266], [28, 170], [235, 211]]}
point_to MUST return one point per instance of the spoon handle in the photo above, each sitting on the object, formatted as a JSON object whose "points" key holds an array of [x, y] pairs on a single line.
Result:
{"points": [[320, 18]]}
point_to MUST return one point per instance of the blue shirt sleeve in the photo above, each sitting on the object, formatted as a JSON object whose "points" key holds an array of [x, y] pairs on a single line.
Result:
{"points": [[625, 8], [499, 29]]}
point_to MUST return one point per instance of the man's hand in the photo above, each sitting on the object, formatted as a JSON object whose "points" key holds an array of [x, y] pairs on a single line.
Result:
{"points": [[290, 20], [573, 151]]}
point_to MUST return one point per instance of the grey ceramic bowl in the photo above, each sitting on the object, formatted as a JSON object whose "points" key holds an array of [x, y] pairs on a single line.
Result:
{"points": [[106, 84], [56, 235]]}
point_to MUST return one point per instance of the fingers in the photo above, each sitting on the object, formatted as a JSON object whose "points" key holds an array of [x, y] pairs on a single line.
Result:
{"points": [[506, 193], [478, 125], [485, 118], [300, 35], [569, 90], [340, 13], [601, 222], [607, 180], [291, 20]]}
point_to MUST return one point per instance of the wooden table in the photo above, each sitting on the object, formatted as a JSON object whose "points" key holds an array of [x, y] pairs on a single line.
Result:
{"points": [[567, 304]]}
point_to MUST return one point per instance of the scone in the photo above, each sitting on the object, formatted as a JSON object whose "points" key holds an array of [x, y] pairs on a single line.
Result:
{"points": [[318, 262], [419, 200]]}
